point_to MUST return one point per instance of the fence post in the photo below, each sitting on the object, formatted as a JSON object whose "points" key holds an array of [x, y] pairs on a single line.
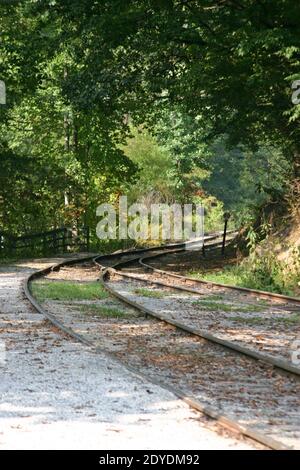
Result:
{"points": [[44, 238], [64, 244], [69, 239], [87, 239], [226, 218], [54, 242], [11, 245]]}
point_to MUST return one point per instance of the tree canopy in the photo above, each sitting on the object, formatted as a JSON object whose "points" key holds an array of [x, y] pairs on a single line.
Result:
{"points": [[210, 81]]}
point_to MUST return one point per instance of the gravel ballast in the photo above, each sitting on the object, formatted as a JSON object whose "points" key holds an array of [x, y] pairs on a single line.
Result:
{"points": [[57, 393]]}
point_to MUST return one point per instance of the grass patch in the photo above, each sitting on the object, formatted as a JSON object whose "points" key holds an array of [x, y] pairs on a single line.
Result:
{"points": [[264, 302], [229, 275], [292, 320], [109, 312], [210, 305], [53, 290], [212, 297], [253, 307], [220, 306], [252, 320], [156, 294]]}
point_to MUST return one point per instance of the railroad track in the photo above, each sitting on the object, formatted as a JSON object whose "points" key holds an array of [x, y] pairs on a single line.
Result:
{"points": [[251, 394], [208, 290]]}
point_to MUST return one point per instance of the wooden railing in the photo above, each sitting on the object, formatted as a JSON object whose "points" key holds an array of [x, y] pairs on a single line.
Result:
{"points": [[55, 241]]}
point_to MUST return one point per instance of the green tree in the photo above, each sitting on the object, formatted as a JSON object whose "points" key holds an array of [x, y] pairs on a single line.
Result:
{"points": [[57, 161], [229, 63]]}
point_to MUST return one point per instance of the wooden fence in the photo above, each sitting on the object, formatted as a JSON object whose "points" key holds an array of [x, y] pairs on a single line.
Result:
{"points": [[61, 240]]}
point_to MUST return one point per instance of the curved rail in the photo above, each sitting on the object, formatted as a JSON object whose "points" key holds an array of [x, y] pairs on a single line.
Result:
{"points": [[277, 363], [69, 262], [196, 404], [261, 293]]}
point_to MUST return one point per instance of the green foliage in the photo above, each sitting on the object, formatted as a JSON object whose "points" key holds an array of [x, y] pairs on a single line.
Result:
{"points": [[177, 164], [209, 82], [246, 180], [263, 272], [57, 162], [184, 139], [155, 181], [229, 64]]}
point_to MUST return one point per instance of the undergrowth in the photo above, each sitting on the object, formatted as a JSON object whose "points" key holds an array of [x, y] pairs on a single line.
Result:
{"points": [[264, 272]]}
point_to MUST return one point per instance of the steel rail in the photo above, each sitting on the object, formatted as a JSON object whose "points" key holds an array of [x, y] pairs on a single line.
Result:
{"points": [[276, 363], [106, 272], [178, 245], [261, 293], [225, 421], [195, 403], [69, 262]]}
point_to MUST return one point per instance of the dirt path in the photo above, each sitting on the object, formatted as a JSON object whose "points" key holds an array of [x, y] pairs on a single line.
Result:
{"points": [[56, 393]]}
